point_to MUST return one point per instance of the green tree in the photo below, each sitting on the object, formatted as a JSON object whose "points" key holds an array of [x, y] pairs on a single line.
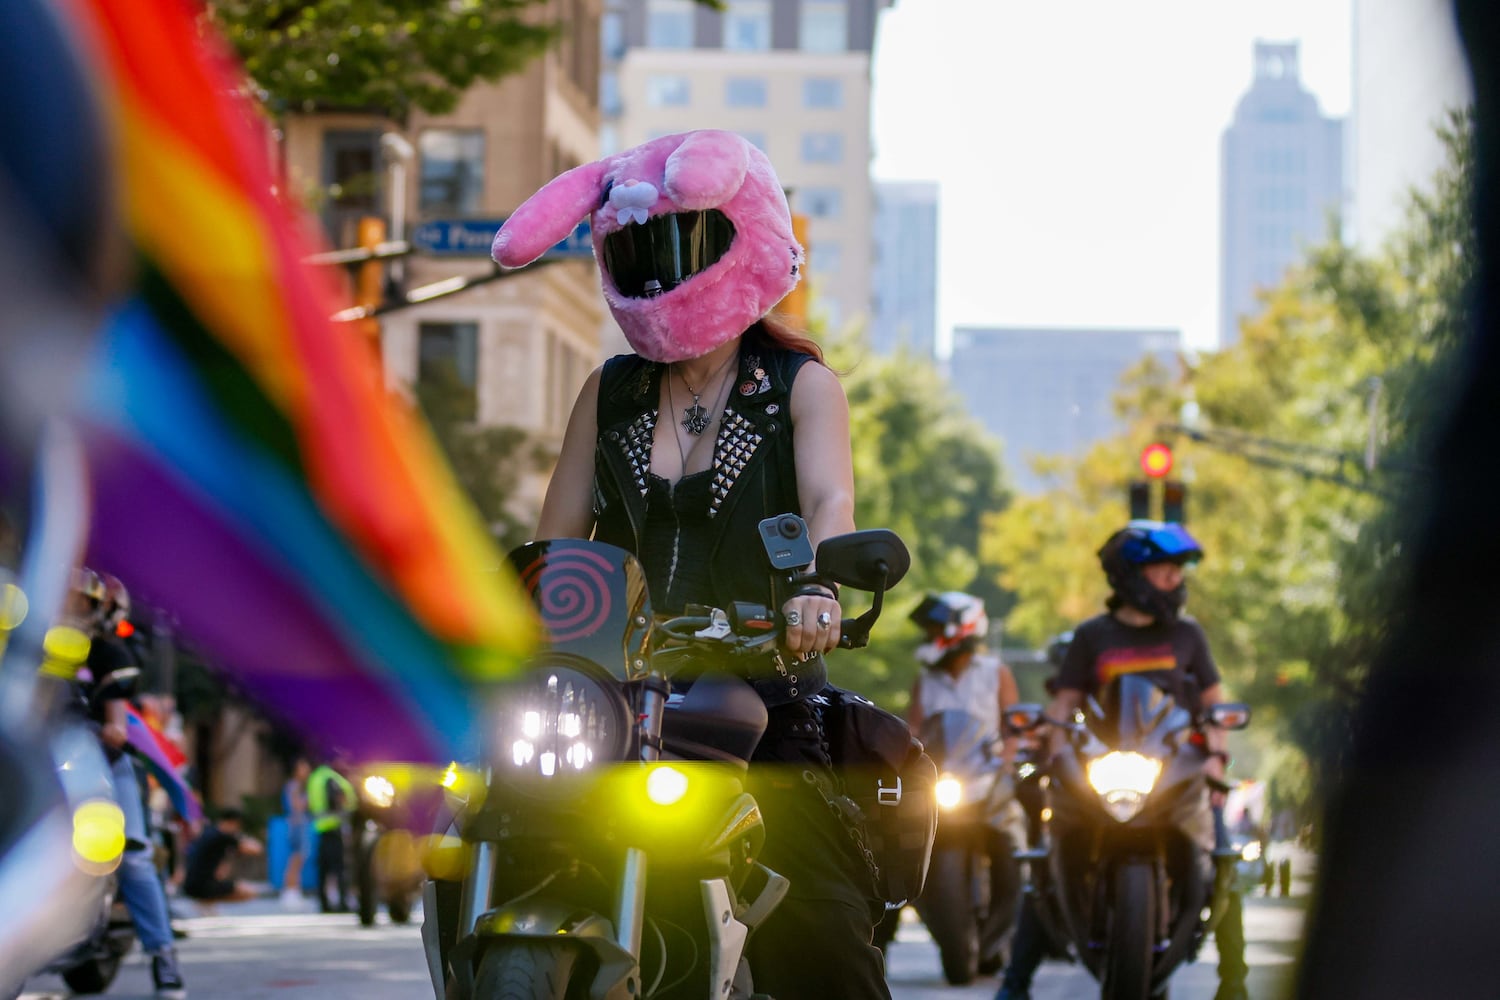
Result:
{"points": [[385, 56], [1295, 592], [926, 470], [489, 462]]}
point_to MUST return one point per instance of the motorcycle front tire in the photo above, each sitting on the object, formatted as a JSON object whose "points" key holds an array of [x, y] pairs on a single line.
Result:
{"points": [[947, 908], [94, 975], [399, 907], [527, 970], [1132, 934]]}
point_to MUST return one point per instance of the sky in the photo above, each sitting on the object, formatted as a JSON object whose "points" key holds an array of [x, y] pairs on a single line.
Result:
{"points": [[1076, 145]]}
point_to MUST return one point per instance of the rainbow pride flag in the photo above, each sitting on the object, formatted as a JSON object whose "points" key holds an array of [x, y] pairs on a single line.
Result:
{"points": [[252, 473], [166, 762]]}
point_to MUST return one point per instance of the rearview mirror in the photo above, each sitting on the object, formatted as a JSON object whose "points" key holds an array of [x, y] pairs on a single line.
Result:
{"points": [[1022, 718], [1229, 715], [874, 559]]}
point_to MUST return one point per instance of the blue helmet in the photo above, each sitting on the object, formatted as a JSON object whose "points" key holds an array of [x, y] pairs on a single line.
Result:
{"points": [[1139, 544]]}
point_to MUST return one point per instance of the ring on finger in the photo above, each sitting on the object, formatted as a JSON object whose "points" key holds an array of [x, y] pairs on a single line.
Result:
{"points": [[794, 617], [824, 619]]}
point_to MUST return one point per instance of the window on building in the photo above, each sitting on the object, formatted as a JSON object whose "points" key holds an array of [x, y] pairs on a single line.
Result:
{"points": [[448, 367], [831, 310], [821, 202], [609, 139], [824, 258], [756, 139], [669, 24], [822, 92], [350, 177], [668, 91], [745, 92], [609, 93], [612, 34], [747, 26], [822, 147], [825, 26], [452, 171]]}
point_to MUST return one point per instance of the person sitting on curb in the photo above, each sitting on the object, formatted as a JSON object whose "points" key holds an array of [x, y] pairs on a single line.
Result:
{"points": [[210, 860]]}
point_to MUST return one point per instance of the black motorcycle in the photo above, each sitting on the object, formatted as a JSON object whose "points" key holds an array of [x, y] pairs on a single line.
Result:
{"points": [[973, 884], [1132, 863], [610, 845], [387, 867]]}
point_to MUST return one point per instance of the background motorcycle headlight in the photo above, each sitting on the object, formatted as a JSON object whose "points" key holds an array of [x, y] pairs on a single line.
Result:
{"points": [[949, 791], [1123, 779], [559, 720], [378, 791]]}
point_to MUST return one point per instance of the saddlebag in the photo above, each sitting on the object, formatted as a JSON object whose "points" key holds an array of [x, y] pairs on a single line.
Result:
{"points": [[891, 781]]}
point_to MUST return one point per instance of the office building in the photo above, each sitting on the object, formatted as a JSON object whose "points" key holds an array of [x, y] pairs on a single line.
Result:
{"points": [[904, 296], [1049, 392], [1281, 183]]}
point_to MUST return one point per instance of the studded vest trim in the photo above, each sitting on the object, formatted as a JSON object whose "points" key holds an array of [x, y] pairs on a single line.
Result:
{"points": [[754, 474]]}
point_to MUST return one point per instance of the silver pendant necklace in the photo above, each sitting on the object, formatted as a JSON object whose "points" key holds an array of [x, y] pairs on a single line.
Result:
{"points": [[695, 418]]}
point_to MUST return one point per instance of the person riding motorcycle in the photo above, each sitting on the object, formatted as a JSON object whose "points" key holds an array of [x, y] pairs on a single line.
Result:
{"points": [[958, 671], [724, 416], [1144, 630], [960, 674], [89, 609]]}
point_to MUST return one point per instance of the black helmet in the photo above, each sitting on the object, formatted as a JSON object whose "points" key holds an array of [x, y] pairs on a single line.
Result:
{"points": [[1139, 544]]}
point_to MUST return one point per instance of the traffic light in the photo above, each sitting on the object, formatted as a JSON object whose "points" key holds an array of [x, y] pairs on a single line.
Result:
{"points": [[1174, 502], [1140, 500], [1156, 460]]}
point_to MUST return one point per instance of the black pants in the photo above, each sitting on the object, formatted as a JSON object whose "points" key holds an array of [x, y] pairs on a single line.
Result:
{"points": [[816, 944], [331, 865]]}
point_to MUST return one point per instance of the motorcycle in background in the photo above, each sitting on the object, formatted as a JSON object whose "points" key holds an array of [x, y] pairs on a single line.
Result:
{"points": [[973, 883], [1132, 867], [610, 849], [387, 868]]}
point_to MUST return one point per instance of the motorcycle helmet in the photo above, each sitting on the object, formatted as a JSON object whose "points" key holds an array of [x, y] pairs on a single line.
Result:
{"points": [[1137, 545], [116, 602], [954, 621]]}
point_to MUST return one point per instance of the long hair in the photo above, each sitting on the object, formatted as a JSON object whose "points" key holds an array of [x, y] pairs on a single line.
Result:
{"points": [[780, 333]]}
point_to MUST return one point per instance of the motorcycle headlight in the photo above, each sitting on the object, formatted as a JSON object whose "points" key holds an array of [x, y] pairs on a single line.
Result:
{"points": [[1251, 851], [559, 720], [949, 791], [1123, 779], [379, 791]]}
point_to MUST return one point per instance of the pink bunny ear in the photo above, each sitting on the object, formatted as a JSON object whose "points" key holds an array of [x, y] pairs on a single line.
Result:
{"points": [[707, 169], [548, 216]]}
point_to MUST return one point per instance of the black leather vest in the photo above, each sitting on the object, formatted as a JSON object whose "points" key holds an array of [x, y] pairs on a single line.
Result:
{"points": [[754, 475]]}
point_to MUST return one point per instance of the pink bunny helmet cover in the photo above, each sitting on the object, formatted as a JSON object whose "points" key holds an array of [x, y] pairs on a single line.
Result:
{"points": [[692, 234]]}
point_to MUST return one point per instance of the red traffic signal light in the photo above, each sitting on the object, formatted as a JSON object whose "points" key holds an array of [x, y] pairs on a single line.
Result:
{"points": [[1156, 460]]}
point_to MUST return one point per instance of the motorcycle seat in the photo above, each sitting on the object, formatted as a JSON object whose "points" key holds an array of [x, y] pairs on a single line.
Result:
{"points": [[719, 718]]}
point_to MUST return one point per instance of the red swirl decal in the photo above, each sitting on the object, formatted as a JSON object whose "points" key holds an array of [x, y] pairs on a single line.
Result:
{"points": [[571, 589]]}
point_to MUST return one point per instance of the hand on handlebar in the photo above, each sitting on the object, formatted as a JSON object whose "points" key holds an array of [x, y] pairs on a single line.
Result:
{"points": [[811, 624]]}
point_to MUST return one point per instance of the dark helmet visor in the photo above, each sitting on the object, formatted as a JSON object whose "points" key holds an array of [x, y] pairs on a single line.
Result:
{"points": [[655, 256]]}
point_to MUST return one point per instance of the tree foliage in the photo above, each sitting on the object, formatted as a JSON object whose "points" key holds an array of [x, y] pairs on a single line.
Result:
{"points": [[385, 56], [926, 470], [489, 462], [1296, 590]]}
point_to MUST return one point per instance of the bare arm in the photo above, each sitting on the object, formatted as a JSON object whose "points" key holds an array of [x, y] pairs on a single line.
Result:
{"points": [[825, 490], [1009, 695], [914, 711], [825, 464], [568, 510], [1064, 704]]}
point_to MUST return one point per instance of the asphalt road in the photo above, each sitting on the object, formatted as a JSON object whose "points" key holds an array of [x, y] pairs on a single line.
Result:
{"points": [[254, 952]]}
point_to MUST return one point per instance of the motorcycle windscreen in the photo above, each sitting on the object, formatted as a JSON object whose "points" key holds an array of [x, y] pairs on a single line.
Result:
{"points": [[953, 736], [590, 598], [1135, 707]]}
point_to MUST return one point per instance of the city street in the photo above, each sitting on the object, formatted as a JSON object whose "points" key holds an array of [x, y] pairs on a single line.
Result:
{"points": [[257, 952]]}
